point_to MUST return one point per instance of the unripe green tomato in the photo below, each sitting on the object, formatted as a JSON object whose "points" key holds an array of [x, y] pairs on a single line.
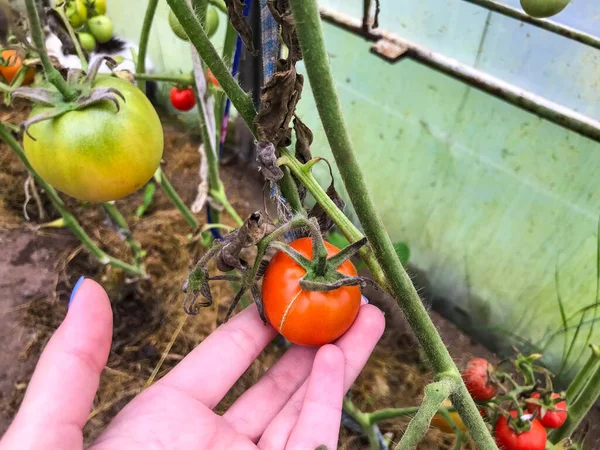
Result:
{"points": [[212, 24], [88, 41], [77, 13], [101, 27], [212, 21], [543, 8], [99, 6]]}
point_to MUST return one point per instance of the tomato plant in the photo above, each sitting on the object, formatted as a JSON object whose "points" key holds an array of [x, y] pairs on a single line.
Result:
{"points": [[77, 12], [102, 28], [97, 154], [307, 317], [10, 65], [476, 377], [183, 99], [543, 8], [509, 439], [551, 415]]}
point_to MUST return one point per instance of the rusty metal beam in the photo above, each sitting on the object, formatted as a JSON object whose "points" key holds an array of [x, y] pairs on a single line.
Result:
{"points": [[536, 104], [548, 25]]}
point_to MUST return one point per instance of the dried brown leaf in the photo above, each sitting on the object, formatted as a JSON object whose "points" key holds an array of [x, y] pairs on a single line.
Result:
{"points": [[237, 19], [283, 15]]}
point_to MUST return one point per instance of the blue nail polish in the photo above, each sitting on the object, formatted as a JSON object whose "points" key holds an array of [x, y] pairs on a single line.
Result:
{"points": [[365, 299], [75, 289]]}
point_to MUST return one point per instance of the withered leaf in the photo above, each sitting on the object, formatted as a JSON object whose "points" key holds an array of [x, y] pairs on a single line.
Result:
{"points": [[252, 231], [283, 15], [325, 222], [267, 161], [304, 139], [237, 19], [278, 103]]}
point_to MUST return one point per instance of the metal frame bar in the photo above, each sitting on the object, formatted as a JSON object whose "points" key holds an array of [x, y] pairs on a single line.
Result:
{"points": [[528, 101], [548, 25]]}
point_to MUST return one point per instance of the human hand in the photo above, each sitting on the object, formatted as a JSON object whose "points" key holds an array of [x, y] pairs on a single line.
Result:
{"points": [[295, 405]]}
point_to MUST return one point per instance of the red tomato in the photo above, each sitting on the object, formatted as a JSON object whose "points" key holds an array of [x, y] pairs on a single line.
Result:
{"points": [[476, 378], [184, 99], [307, 317], [10, 65], [550, 419], [508, 439], [210, 78]]}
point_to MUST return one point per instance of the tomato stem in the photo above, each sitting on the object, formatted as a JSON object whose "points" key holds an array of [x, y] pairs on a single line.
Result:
{"points": [[140, 66], [169, 190], [78, 50], [117, 218], [181, 79], [37, 35], [310, 35], [70, 220]]}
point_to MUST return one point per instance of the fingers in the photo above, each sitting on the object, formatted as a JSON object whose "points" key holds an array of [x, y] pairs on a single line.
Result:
{"points": [[319, 419], [210, 370], [252, 412], [357, 345], [63, 386]]}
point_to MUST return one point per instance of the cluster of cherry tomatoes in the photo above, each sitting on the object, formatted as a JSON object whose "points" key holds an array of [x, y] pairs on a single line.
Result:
{"points": [[89, 18], [520, 424]]}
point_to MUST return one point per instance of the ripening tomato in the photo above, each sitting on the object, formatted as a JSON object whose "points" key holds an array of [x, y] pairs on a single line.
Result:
{"points": [[307, 317], [210, 78], [99, 6], [543, 8], [550, 419], [98, 154], [477, 380], [509, 439], [10, 65], [77, 13], [183, 99], [102, 28]]}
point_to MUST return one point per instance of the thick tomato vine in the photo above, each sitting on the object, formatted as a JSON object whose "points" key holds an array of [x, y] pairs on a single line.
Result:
{"points": [[476, 378], [509, 439], [307, 317], [98, 154], [183, 99]]}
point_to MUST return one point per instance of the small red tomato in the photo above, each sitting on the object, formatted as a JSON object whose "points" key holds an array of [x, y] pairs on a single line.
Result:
{"points": [[307, 317], [210, 78], [509, 439], [183, 99], [477, 380], [550, 419]]}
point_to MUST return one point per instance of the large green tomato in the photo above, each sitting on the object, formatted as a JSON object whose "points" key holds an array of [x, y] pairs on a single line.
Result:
{"points": [[98, 154], [543, 8]]}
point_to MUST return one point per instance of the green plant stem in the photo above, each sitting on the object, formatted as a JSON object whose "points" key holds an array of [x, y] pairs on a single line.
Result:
{"points": [[211, 58], [186, 80], [78, 50], [118, 219], [70, 220], [290, 191], [363, 420], [220, 98], [392, 413], [37, 35], [579, 408], [140, 66], [435, 394], [167, 187], [316, 60], [583, 376]]}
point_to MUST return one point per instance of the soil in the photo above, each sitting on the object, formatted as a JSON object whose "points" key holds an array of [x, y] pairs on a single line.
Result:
{"points": [[39, 266]]}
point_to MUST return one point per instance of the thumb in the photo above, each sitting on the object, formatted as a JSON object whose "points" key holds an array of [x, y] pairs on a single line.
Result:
{"points": [[64, 383]]}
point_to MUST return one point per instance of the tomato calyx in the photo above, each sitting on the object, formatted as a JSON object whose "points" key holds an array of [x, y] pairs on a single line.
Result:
{"points": [[86, 94]]}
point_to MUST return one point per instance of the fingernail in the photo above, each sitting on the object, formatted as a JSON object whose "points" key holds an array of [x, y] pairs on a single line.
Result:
{"points": [[365, 299], [75, 289]]}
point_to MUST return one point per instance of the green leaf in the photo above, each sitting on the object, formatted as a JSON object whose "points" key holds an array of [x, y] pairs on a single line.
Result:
{"points": [[403, 252], [337, 239]]}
